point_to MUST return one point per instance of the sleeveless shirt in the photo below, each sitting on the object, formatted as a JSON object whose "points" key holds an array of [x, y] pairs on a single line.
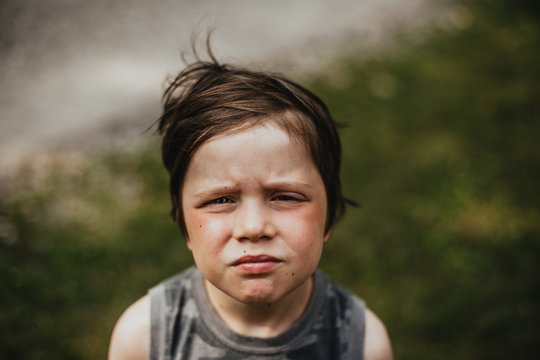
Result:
{"points": [[184, 325]]}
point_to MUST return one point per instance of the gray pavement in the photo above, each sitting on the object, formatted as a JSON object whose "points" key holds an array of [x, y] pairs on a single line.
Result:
{"points": [[70, 69]]}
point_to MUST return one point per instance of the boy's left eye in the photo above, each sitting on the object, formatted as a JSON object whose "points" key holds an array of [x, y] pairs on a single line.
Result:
{"points": [[284, 197]]}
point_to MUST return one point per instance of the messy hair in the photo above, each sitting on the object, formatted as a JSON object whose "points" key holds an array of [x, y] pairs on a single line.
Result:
{"points": [[208, 99]]}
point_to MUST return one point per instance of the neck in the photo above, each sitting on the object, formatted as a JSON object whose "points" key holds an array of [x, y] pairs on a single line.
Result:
{"points": [[263, 320]]}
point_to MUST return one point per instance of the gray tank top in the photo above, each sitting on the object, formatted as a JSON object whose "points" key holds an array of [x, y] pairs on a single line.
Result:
{"points": [[185, 326]]}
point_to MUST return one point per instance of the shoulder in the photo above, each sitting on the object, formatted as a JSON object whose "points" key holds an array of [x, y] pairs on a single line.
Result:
{"points": [[363, 323], [377, 343], [131, 335]]}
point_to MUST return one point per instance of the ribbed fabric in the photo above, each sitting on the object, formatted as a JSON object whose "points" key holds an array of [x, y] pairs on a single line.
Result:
{"points": [[185, 326]]}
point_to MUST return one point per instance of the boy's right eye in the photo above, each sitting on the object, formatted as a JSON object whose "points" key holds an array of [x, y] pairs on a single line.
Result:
{"points": [[220, 200]]}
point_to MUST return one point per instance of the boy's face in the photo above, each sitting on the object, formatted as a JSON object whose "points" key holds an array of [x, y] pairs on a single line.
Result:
{"points": [[255, 208]]}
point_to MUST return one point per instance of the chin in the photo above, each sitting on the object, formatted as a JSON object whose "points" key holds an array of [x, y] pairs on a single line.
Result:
{"points": [[258, 299], [258, 294]]}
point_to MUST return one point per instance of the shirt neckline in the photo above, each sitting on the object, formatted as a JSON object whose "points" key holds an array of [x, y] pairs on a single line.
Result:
{"points": [[254, 345]]}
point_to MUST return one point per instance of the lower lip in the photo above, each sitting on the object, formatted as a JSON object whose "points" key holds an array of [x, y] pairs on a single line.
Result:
{"points": [[257, 267]]}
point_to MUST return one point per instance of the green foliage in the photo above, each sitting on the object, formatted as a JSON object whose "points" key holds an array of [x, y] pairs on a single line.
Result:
{"points": [[92, 235], [440, 151]]}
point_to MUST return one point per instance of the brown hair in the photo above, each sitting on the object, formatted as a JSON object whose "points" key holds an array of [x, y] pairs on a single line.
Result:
{"points": [[207, 99]]}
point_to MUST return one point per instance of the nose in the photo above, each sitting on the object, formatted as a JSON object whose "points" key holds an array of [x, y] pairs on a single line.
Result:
{"points": [[253, 222]]}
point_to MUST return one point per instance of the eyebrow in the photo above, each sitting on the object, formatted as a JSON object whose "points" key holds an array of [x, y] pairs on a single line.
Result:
{"points": [[214, 191], [224, 189], [289, 184]]}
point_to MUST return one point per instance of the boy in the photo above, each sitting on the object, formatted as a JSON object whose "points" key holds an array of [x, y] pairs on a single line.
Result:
{"points": [[254, 165]]}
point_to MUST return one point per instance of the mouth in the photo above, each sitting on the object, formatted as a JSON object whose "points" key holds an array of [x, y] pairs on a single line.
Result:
{"points": [[256, 264]]}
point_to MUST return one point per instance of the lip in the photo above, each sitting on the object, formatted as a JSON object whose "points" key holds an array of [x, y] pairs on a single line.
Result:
{"points": [[256, 264]]}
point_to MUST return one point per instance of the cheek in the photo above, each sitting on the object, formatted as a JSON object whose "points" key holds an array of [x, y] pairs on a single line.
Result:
{"points": [[306, 226], [206, 231], [315, 216]]}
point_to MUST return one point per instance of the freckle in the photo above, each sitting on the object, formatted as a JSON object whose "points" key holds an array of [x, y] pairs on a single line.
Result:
{"points": [[244, 251], [200, 226]]}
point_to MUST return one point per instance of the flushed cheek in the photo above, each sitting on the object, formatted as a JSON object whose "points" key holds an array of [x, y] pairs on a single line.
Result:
{"points": [[307, 223], [305, 234], [207, 231]]}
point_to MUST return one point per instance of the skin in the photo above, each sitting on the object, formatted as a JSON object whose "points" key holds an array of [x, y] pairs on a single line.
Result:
{"points": [[254, 193]]}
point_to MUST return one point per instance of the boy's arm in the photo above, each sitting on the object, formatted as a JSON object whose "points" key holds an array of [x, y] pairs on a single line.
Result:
{"points": [[131, 335], [377, 342]]}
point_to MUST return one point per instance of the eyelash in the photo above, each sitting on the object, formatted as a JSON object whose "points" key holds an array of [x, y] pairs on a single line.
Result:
{"points": [[226, 200], [220, 200], [285, 198]]}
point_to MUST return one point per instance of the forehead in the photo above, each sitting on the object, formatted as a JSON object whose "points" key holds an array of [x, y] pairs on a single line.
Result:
{"points": [[263, 152], [299, 127], [262, 130]]}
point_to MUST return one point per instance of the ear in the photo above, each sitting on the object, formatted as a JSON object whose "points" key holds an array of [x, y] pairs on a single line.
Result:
{"points": [[327, 235]]}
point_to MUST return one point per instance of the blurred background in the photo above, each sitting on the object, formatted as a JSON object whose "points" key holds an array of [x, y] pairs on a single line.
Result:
{"points": [[442, 105]]}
